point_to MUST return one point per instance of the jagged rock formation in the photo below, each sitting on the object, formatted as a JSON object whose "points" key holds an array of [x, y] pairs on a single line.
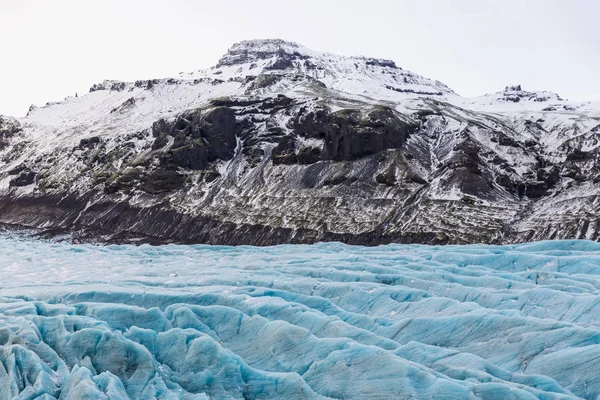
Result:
{"points": [[281, 144]]}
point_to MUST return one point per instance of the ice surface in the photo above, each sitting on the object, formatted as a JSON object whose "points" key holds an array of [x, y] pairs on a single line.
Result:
{"points": [[299, 322]]}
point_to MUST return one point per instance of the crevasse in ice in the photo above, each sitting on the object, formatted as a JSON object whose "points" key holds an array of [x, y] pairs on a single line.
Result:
{"points": [[299, 322]]}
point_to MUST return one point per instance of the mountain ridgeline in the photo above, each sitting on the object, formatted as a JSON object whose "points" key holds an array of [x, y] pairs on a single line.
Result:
{"points": [[280, 144]]}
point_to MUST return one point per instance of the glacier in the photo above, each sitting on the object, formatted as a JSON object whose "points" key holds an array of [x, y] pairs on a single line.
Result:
{"points": [[323, 321]]}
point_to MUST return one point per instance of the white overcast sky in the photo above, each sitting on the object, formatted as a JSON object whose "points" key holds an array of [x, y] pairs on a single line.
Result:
{"points": [[52, 49]]}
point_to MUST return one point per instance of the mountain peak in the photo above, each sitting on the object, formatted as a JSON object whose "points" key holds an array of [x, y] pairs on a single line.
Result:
{"points": [[513, 88], [358, 75], [284, 52], [516, 94], [262, 49], [266, 44]]}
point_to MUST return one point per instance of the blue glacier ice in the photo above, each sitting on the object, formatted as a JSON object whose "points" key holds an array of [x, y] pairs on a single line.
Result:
{"points": [[326, 321]]}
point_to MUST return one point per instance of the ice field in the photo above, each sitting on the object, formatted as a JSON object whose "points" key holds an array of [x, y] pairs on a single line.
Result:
{"points": [[299, 322]]}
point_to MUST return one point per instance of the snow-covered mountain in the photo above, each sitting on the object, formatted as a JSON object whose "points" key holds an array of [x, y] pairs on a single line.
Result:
{"points": [[278, 143]]}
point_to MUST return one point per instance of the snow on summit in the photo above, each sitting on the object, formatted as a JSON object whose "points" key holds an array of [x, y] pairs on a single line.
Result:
{"points": [[288, 68], [296, 68]]}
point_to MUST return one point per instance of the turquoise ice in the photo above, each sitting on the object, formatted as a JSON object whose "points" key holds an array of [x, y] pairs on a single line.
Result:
{"points": [[299, 322]]}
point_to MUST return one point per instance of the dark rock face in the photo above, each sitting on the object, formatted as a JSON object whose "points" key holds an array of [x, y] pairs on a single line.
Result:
{"points": [[533, 190], [163, 180], [89, 142], [466, 155], [578, 155], [125, 181], [285, 152], [24, 178], [381, 63], [192, 142], [349, 135], [199, 137], [424, 93], [346, 135], [17, 170], [9, 128], [190, 154]]}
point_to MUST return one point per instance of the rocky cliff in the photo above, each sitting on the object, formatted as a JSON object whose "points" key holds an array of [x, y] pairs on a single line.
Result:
{"points": [[281, 144]]}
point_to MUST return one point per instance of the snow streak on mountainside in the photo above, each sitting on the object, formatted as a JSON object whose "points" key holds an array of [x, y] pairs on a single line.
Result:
{"points": [[277, 143], [327, 321]]}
